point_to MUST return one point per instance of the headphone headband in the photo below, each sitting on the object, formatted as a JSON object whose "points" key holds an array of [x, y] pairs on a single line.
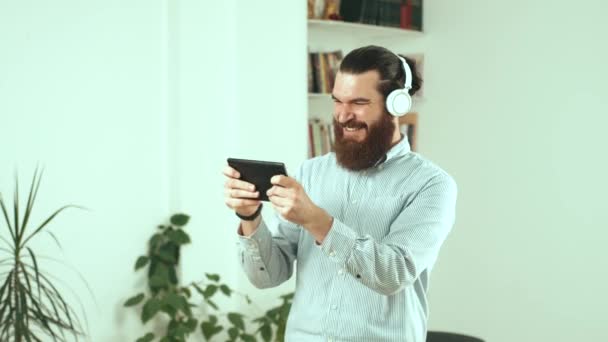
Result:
{"points": [[408, 73], [399, 102]]}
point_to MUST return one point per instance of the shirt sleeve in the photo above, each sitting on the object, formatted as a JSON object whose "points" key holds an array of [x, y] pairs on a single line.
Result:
{"points": [[411, 246], [267, 258]]}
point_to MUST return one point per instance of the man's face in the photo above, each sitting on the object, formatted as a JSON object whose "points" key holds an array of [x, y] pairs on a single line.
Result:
{"points": [[363, 129]]}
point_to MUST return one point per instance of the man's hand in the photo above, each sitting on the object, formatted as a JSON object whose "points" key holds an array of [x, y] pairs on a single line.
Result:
{"points": [[239, 195], [291, 201]]}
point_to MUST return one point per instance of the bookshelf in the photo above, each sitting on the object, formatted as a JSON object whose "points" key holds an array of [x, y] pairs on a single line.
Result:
{"points": [[361, 31], [329, 36]]}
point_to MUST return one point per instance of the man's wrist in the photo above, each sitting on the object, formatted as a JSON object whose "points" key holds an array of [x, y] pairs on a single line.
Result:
{"points": [[320, 227], [251, 217]]}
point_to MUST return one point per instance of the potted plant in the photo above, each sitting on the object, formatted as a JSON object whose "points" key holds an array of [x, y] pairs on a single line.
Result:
{"points": [[31, 306], [166, 296]]}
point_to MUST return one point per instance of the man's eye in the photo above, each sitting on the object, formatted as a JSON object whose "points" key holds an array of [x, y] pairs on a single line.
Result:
{"points": [[360, 103]]}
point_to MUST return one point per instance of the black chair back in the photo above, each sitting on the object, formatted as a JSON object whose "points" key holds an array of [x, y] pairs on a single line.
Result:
{"points": [[441, 336]]}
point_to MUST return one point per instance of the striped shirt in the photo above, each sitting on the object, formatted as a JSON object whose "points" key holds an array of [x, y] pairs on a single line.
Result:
{"points": [[368, 280]]}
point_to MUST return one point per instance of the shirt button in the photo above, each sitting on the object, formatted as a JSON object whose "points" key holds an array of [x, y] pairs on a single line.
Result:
{"points": [[334, 306], [341, 271], [332, 253]]}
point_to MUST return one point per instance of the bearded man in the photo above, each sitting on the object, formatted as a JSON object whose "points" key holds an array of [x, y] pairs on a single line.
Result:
{"points": [[365, 223]]}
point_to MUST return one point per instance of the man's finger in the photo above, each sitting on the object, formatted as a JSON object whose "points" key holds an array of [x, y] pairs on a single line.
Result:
{"points": [[230, 172], [239, 202], [280, 202], [282, 180], [236, 193], [239, 184], [278, 191]]}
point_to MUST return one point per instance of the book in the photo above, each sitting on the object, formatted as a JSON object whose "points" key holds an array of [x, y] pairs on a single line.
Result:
{"points": [[350, 10], [323, 66]]}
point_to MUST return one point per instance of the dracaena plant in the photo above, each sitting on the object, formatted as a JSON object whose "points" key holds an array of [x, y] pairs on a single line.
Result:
{"points": [[179, 303], [32, 308]]}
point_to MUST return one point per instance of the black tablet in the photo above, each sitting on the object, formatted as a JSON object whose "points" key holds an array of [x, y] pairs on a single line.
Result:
{"points": [[258, 172]]}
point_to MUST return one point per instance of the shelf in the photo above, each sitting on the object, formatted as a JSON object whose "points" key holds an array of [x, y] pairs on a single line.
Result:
{"points": [[327, 97], [319, 96], [361, 31]]}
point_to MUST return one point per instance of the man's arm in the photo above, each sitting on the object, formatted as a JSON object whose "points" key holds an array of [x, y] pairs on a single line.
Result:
{"points": [[412, 245], [266, 259]]}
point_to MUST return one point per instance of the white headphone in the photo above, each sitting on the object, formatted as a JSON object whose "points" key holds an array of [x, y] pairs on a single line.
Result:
{"points": [[399, 102]]}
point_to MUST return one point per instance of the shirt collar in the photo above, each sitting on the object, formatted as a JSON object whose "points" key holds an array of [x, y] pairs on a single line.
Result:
{"points": [[402, 148]]}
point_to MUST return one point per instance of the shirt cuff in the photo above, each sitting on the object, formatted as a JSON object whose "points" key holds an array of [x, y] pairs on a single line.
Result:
{"points": [[340, 242], [257, 243]]}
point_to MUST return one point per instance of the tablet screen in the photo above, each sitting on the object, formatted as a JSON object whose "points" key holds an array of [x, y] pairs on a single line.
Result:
{"points": [[258, 172]]}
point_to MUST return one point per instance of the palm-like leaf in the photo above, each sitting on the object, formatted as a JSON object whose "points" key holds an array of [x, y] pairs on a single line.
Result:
{"points": [[31, 306]]}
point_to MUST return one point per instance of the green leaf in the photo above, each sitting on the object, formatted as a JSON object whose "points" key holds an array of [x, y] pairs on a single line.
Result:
{"points": [[191, 324], [185, 306], [236, 320], [180, 219], [225, 290], [172, 299], [213, 319], [260, 320], [169, 310], [248, 338], [209, 329], [49, 219], [213, 277], [155, 240], [273, 313], [233, 333], [210, 290], [141, 262], [167, 254], [177, 330], [160, 278], [146, 338], [287, 297], [212, 304], [186, 291], [179, 237], [173, 276], [198, 289], [134, 300], [266, 332], [150, 309]]}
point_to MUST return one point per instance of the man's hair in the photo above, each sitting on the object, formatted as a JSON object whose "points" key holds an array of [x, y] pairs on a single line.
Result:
{"points": [[386, 63]]}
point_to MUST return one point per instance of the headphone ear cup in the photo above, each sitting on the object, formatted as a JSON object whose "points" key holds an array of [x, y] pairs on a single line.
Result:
{"points": [[398, 102]]}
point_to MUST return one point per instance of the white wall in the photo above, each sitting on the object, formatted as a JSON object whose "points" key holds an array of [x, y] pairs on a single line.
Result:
{"points": [[133, 109], [80, 93], [242, 87], [516, 111]]}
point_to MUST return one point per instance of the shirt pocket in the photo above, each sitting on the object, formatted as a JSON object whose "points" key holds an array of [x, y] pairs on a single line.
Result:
{"points": [[378, 214]]}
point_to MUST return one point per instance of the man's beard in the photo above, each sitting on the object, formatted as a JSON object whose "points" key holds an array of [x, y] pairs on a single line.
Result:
{"points": [[354, 155]]}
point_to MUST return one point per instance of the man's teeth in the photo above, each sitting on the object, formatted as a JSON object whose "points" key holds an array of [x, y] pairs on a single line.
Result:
{"points": [[351, 129]]}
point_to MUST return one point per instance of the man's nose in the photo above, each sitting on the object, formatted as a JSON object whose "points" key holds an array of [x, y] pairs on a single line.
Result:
{"points": [[343, 114]]}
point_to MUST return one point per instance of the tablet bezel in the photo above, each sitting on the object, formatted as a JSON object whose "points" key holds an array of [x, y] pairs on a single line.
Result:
{"points": [[258, 172]]}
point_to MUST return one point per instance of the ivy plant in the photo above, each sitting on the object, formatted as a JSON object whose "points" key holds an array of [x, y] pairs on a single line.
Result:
{"points": [[165, 295]]}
